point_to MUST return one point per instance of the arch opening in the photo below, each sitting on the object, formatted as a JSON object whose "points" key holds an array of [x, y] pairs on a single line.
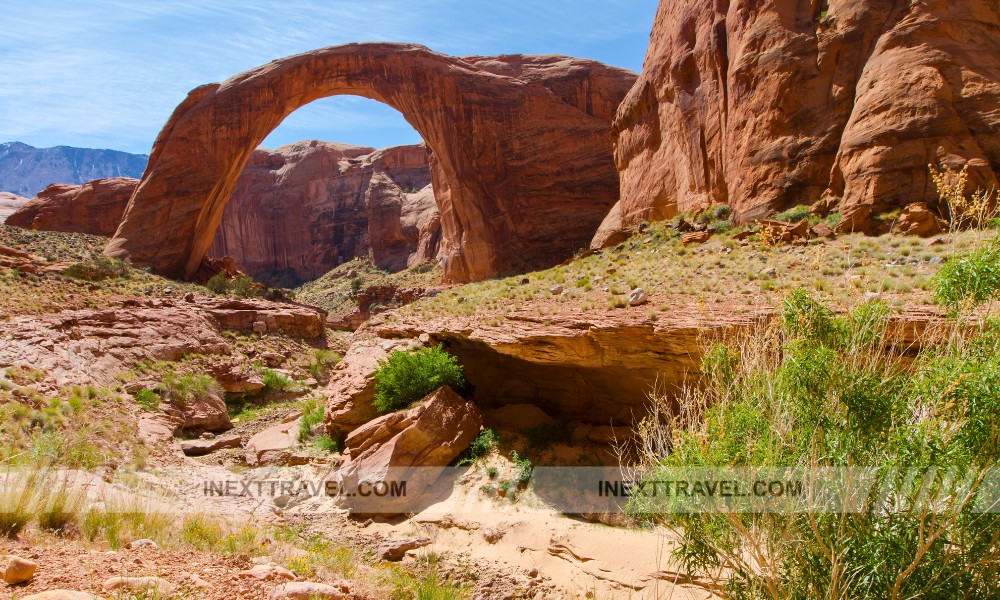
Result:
{"points": [[315, 196], [520, 151]]}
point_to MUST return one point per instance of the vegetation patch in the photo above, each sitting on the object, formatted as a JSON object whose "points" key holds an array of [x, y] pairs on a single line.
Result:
{"points": [[405, 377]]}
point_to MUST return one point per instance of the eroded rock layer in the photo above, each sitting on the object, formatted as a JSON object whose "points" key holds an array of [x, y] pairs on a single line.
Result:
{"points": [[768, 105], [95, 207], [523, 171]]}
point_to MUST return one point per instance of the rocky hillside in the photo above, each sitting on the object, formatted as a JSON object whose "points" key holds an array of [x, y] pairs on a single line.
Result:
{"points": [[26, 170]]}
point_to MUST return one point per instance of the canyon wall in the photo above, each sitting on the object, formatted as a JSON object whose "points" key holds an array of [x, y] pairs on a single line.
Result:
{"points": [[767, 105]]}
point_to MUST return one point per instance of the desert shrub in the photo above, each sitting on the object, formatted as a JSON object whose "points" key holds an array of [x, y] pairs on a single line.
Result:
{"points": [[98, 269], [524, 468], [19, 498], [188, 387], [970, 279], [794, 214], [406, 377], [312, 414], [275, 380], [485, 443], [722, 212], [322, 361], [148, 399], [356, 283], [243, 286], [719, 226], [818, 391], [328, 444], [218, 284], [61, 508]]}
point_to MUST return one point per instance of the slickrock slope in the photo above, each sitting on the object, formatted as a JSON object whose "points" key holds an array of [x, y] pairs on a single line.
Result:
{"points": [[299, 211], [95, 207], [9, 203], [523, 171], [766, 106]]}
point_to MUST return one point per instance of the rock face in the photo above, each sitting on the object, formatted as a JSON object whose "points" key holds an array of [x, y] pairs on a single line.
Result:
{"points": [[301, 210], [9, 203], [95, 207], [26, 170], [273, 445], [768, 105], [520, 180]]}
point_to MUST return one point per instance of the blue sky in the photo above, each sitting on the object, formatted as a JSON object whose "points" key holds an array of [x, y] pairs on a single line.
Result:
{"points": [[108, 73]]}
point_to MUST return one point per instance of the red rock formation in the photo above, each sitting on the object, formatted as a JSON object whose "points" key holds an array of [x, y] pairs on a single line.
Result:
{"points": [[95, 207], [301, 210], [768, 105], [9, 203], [522, 174]]}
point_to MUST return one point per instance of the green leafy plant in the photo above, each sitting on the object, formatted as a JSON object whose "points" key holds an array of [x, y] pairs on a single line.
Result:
{"points": [[188, 387], [405, 377], [312, 414], [524, 468], [218, 284], [98, 269], [243, 286], [148, 399], [485, 443], [275, 380], [970, 279]]}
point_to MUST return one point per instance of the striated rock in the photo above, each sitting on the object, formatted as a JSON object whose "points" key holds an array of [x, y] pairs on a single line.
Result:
{"points": [[696, 237], [395, 550], [309, 590], [19, 570], [9, 203], [299, 211], [202, 447], [95, 207], [273, 445], [520, 181], [205, 413], [765, 106], [388, 448]]}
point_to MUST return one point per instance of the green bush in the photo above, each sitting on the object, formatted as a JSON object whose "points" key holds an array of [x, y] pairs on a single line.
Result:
{"points": [[188, 387], [322, 361], [485, 443], [794, 214], [524, 468], [825, 391], [98, 269], [406, 377], [148, 399], [275, 381], [244, 286], [312, 414], [218, 284], [971, 279]]}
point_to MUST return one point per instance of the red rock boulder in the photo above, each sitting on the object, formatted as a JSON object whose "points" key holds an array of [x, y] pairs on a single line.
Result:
{"points": [[95, 207]]}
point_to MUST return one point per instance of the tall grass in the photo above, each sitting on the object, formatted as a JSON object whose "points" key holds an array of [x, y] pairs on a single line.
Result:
{"points": [[814, 389]]}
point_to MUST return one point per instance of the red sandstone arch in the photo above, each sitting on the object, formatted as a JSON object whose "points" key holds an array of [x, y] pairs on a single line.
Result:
{"points": [[523, 170]]}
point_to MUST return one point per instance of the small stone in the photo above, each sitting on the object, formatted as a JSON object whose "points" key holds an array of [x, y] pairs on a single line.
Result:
{"points": [[168, 291], [207, 435], [268, 573], [189, 297], [394, 550], [532, 572], [19, 570], [259, 327], [769, 272], [525, 281], [872, 296], [935, 260], [556, 290], [637, 297]]}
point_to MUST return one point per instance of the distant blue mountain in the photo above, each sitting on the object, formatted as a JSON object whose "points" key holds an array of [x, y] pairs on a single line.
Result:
{"points": [[26, 170]]}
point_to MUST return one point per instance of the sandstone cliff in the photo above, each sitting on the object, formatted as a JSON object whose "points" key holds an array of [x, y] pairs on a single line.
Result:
{"points": [[768, 105]]}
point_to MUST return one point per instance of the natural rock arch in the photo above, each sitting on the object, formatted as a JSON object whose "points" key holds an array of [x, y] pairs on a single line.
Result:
{"points": [[523, 171]]}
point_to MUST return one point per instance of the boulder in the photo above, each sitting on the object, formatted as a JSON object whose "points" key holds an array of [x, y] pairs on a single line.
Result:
{"points": [[395, 550], [696, 237], [638, 297], [918, 219], [528, 189], [611, 231], [268, 573], [274, 445], [351, 390], [310, 590], [204, 413], [764, 105], [19, 570], [394, 446], [202, 447], [149, 585]]}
